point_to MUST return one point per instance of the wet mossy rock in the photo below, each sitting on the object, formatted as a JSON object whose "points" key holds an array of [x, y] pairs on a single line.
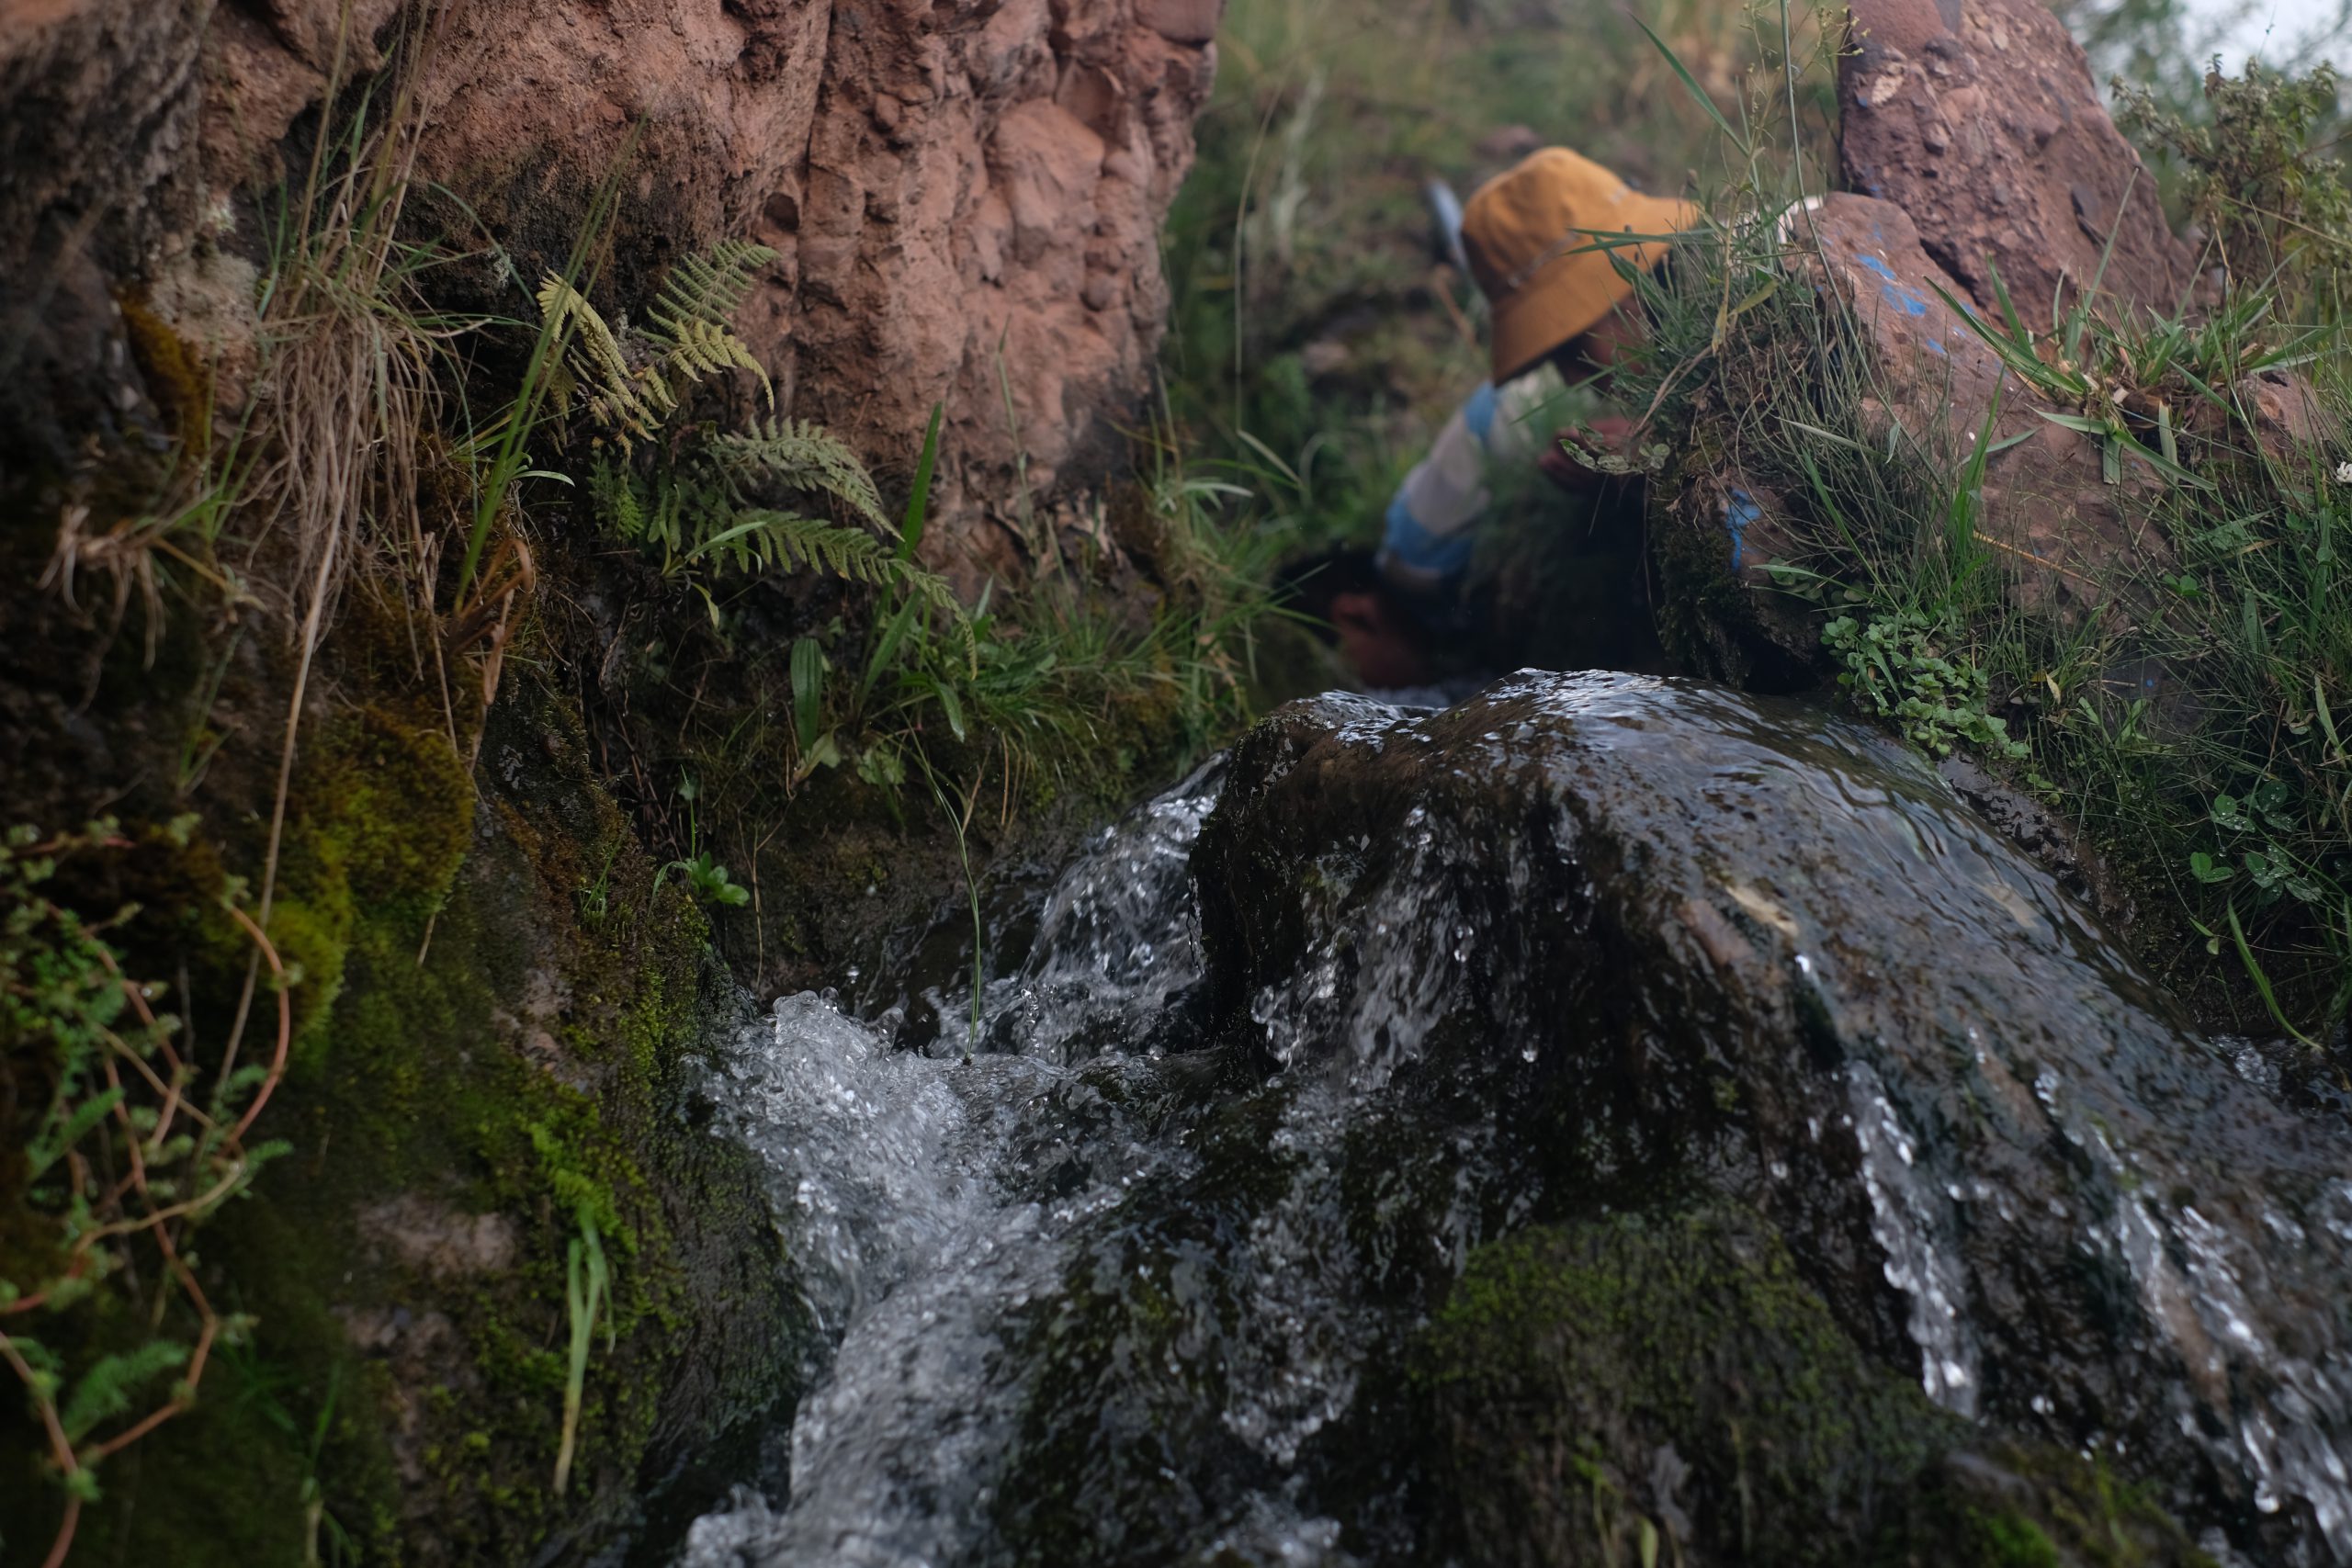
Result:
{"points": [[1672, 1378], [481, 1063], [382, 811], [1683, 941]]}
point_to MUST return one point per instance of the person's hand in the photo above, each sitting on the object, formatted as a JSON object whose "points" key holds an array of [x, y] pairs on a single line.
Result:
{"points": [[1566, 462]]}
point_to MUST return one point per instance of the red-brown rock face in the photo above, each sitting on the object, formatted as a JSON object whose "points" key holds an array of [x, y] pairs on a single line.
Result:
{"points": [[966, 194], [1980, 119], [2059, 532]]}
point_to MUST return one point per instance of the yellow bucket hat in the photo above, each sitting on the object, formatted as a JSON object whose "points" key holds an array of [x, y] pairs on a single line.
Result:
{"points": [[1532, 235]]}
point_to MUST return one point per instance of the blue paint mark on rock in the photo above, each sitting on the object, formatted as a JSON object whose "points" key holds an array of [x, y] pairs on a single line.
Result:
{"points": [[1739, 511], [1909, 300]]}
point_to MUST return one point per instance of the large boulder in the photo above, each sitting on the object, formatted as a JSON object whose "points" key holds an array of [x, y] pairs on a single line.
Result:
{"points": [[1979, 118], [2062, 535], [1680, 944], [1613, 1121], [1975, 149]]}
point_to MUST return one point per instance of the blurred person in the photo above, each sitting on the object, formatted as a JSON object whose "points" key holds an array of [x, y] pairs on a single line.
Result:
{"points": [[1537, 238]]}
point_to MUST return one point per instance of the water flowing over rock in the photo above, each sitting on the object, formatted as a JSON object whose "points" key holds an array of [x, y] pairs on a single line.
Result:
{"points": [[1610, 1109], [1762, 953]]}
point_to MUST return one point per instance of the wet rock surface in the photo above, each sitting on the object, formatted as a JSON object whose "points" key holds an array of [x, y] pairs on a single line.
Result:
{"points": [[1612, 1109], [1633, 1377], [1748, 950]]}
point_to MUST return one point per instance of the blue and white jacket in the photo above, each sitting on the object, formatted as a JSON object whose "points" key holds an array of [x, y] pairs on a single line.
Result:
{"points": [[1433, 518]]}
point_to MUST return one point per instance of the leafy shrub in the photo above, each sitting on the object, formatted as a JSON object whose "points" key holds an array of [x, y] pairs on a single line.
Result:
{"points": [[118, 1147], [1894, 669], [2278, 211]]}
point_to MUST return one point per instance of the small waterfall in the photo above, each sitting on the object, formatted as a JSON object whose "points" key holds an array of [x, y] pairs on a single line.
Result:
{"points": [[1143, 1260], [928, 1200]]}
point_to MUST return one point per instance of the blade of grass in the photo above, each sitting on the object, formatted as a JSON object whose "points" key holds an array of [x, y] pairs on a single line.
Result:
{"points": [[919, 498], [1697, 93]]}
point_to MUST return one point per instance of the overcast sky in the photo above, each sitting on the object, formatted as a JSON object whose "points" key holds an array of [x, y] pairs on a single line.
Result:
{"points": [[2281, 32]]}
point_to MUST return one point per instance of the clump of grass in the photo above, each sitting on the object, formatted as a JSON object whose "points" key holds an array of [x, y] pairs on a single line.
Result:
{"points": [[1041, 679]]}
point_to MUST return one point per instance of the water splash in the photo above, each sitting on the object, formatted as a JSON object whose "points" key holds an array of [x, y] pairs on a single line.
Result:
{"points": [[1261, 1222], [928, 1201], [1911, 1223]]}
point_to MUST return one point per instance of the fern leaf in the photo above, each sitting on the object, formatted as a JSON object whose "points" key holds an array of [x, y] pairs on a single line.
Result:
{"points": [[692, 319], [796, 454], [624, 401], [701, 349], [760, 539], [651, 512], [105, 1390], [772, 539], [619, 503], [711, 286]]}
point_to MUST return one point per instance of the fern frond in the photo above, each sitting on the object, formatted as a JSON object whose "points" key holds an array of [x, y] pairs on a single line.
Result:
{"points": [[649, 511], [692, 320], [626, 402], [700, 349], [757, 539], [108, 1387], [615, 495], [710, 287], [796, 454]]}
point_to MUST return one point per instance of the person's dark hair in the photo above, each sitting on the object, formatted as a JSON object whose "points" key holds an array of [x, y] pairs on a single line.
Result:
{"points": [[1308, 584]]}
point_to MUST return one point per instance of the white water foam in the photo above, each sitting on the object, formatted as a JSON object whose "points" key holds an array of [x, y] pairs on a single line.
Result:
{"points": [[1911, 1222], [898, 1179]]}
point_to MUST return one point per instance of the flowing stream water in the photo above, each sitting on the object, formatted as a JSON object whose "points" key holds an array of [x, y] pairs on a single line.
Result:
{"points": [[1084, 1231], [928, 1195]]}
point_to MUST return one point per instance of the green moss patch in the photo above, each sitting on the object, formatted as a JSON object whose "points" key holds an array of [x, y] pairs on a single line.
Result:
{"points": [[1595, 1387]]}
